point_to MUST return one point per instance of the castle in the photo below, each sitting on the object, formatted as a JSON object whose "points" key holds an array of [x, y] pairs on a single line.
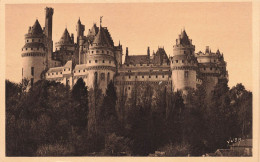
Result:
{"points": [[97, 60]]}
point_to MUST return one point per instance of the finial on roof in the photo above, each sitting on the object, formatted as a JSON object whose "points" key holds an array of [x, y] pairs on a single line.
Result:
{"points": [[100, 20]]}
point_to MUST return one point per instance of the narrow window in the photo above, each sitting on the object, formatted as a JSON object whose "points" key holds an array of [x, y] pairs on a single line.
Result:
{"points": [[129, 77], [186, 74], [32, 71], [31, 82]]}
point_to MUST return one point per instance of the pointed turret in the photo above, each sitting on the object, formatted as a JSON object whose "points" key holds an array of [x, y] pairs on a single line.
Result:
{"points": [[101, 38], [36, 29], [65, 38]]}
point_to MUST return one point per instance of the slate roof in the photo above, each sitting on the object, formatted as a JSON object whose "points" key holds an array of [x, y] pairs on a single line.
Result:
{"points": [[137, 59], [36, 28], [184, 39], [65, 38], [101, 38], [160, 57], [34, 45]]}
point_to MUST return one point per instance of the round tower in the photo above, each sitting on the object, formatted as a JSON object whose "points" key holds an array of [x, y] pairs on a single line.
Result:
{"points": [[33, 54], [100, 60], [212, 67], [184, 64]]}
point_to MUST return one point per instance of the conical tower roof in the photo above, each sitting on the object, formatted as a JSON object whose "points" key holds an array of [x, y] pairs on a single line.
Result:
{"points": [[36, 28], [184, 38], [65, 38], [101, 38]]}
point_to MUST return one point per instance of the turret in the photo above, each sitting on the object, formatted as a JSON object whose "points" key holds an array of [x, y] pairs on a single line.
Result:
{"points": [[33, 54], [101, 59], [184, 64], [80, 30]]}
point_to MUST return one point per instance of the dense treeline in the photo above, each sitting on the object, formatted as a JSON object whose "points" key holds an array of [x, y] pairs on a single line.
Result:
{"points": [[53, 120]]}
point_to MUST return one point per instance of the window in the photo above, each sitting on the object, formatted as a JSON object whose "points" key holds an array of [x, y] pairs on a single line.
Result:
{"points": [[172, 62], [56, 73], [31, 48], [102, 51], [204, 68], [25, 48], [163, 76], [84, 70], [96, 61], [95, 78], [110, 62], [186, 73], [182, 61], [135, 76], [128, 88], [211, 68], [92, 51], [38, 48], [107, 52], [60, 72], [27, 40], [149, 76], [102, 77], [40, 41], [69, 69], [32, 40], [89, 61], [156, 76], [103, 61], [129, 70], [32, 71], [214, 60], [142, 76], [176, 61], [31, 82], [129, 77], [79, 71], [141, 64]]}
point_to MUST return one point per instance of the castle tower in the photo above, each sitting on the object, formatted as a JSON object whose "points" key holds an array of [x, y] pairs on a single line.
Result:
{"points": [[80, 30], [212, 67], [48, 34], [65, 48], [183, 64], [118, 54], [33, 54], [100, 60]]}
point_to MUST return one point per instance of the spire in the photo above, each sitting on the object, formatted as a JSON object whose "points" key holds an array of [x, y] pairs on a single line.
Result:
{"points": [[79, 22], [100, 21], [119, 43], [148, 51]]}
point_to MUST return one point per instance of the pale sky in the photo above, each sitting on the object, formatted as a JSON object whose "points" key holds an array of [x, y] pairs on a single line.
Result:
{"points": [[227, 26]]}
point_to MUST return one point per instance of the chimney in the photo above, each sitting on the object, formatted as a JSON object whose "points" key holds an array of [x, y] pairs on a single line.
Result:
{"points": [[148, 51], [126, 51]]}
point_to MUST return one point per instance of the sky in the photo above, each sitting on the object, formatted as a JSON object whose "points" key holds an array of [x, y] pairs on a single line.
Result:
{"points": [[226, 26]]}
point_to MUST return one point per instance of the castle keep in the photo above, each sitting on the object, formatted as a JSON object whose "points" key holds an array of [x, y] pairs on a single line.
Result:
{"points": [[95, 58]]}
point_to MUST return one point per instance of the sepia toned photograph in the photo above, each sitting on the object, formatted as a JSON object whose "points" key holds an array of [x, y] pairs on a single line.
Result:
{"points": [[140, 79]]}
